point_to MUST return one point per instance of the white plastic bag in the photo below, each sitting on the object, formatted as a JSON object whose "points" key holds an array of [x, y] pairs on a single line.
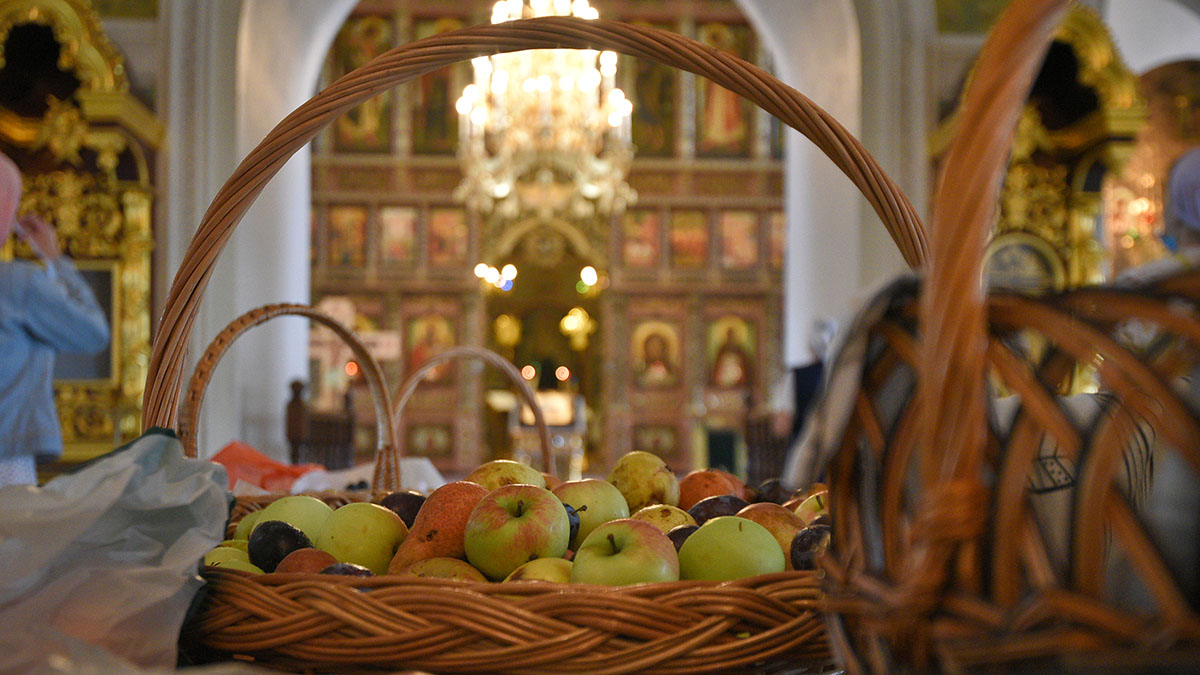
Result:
{"points": [[108, 557]]}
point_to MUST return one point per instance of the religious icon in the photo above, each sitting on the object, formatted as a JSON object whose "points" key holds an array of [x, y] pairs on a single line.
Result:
{"points": [[642, 228], [367, 127], [429, 440], [731, 353], [723, 117], [428, 336], [434, 120], [398, 232], [689, 239], [655, 88], [739, 239], [347, 236], [658, 439], [655, 348], [776, 239], [447, 237]]}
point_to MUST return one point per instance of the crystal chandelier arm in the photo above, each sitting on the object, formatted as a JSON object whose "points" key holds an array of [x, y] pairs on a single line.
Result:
{"points": [[410, 61]]}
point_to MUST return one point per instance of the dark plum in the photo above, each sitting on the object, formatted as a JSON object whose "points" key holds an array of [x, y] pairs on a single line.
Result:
{"points": [[348, 570], [680, 533], [272, 540], [573, 519], [405, 503], [720, 505], [808, 544], [772, 490], [821, 519]]}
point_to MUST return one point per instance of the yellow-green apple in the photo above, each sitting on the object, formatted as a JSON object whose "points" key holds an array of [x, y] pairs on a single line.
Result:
{"points": [[437, 531], [444, 568], [704, 483], [595, 501], [238, 564], [813, 506], [306, 513], [235, 543], [644, 479], [305, 560], [222, 554], [246, 524], [500, 472], [664, 517], [555, 570], [729, 547], [513, 525], [364, 534], [780, 522], [623, 552]]}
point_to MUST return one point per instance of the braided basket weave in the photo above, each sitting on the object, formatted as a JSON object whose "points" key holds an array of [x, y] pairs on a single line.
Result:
{"points": [[310, 622], [946, 553]]}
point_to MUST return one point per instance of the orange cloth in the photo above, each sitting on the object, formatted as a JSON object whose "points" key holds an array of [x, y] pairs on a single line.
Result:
{"points": [[243, 462]]}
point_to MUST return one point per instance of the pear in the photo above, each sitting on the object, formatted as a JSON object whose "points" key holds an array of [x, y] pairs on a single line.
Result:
{"points": [[644, 479], [437, 531]]}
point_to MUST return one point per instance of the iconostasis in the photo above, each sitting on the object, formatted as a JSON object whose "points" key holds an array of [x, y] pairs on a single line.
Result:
{"points": [[665, 317], [86, 145]]}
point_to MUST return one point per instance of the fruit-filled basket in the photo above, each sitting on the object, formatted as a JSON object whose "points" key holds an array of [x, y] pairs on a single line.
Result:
{"points": [[324, 622]]}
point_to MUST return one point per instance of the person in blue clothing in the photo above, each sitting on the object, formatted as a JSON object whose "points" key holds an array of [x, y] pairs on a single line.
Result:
{"points": [[44, 309]]}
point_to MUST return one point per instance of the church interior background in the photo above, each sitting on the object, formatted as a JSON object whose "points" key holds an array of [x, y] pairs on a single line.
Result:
{"points": [[666, 317]]}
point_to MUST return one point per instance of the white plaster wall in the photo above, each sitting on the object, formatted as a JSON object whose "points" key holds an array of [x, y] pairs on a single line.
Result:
{"points": [[1150, 33], [234, 69]]}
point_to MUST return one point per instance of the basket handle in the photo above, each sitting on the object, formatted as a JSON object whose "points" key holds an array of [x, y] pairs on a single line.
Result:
{"points": [[409, 61], [952, 312], [488, 356], [189, 414]]}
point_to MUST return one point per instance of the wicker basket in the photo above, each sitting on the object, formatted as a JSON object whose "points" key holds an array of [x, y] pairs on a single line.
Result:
{"points": [[330, 623], [386, 437], [944, 556]]}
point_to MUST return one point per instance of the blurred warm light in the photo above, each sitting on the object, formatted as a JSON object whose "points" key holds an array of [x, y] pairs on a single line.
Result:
{"points": [[562, 373], [1139, 206], [351, 368], [589, 276], [481, 270], [528, 372], [509, 271]]}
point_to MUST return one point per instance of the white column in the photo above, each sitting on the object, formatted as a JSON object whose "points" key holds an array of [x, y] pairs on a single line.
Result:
{"points": [[815, 45], [281, 45], [197, 104], [234, 69]]}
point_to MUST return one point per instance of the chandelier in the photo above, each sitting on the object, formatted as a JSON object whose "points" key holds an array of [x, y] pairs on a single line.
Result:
{"points": [[545, 132]]}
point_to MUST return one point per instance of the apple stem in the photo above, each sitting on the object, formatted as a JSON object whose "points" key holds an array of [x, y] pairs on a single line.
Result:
{"points": [[520, 506], [612, 541]]}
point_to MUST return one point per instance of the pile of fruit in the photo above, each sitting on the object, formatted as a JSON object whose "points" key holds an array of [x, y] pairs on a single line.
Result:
{"points": [[507, 522]]}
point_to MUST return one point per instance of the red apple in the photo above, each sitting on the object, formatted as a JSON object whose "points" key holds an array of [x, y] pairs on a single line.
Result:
{"points": [[513, 525]]}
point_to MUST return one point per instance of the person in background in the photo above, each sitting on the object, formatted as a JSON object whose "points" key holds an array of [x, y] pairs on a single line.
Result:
{"points": [[796, 390], [43, 310]]}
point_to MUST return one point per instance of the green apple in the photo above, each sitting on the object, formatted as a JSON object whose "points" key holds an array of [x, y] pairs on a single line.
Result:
{"points": [[245, 525], [555, 570], [664, 517], [623, 552], [306, 513], [813, 506], [596, 501], [238, 564], [783, 524], [222, 554], [235, 543], [644, 479], [500, 472], [729, 547], [443, 568], [513, 525], [364, 534]]}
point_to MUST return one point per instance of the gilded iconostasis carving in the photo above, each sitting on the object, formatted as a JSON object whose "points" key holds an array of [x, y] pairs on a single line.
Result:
{"points": [[85, 145], [665, 314]]}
